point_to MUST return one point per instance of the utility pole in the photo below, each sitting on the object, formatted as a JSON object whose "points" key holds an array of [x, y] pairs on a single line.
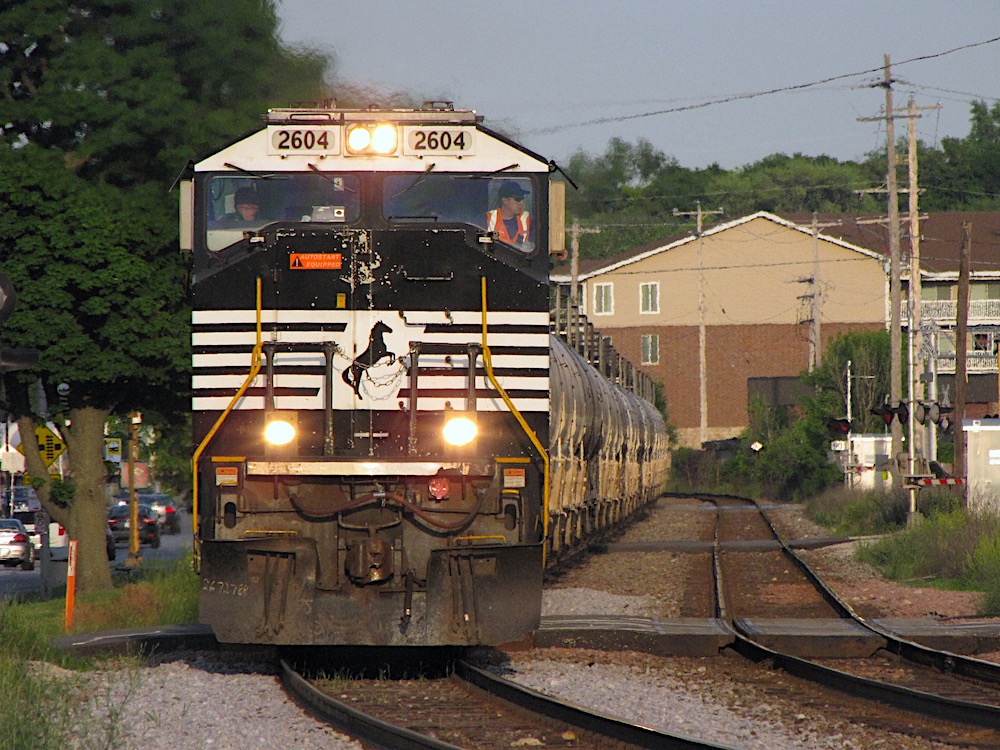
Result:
{"points": [[815, 300], [699, 214], [895, 284], [915, 391], [961, 327], [920, 440]]}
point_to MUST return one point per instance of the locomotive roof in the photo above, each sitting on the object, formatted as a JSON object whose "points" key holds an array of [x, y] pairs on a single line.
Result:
{"points": [[491, 152]]}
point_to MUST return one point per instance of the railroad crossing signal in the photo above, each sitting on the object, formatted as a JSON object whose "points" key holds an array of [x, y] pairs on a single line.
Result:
{"points": [[50, 445], [887, 412], [839, 426]]}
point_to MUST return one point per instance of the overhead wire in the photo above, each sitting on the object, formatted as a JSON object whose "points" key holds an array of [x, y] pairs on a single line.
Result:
{"points": [[751, 95]]}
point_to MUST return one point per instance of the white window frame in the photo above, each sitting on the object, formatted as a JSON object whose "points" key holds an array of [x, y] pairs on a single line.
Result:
{"points": [[652, 295], [606, 293], [650, 348]]}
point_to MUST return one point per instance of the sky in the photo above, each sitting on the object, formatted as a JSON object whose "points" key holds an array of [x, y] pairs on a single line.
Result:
{"points": [[565, 75]]}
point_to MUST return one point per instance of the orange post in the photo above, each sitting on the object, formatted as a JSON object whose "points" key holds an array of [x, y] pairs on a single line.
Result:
{"points": [[70, 584]]}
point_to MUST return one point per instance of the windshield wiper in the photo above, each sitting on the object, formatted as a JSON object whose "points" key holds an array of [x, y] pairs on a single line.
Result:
{"points": [[488, 175], [258, 175], [420, 178]]}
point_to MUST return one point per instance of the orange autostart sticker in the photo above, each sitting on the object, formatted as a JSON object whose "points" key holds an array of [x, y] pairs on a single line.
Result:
{"points": [[314, 261]]}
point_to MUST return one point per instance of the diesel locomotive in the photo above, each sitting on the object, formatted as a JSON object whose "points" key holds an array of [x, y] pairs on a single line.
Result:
{"points": [[392, 440]]}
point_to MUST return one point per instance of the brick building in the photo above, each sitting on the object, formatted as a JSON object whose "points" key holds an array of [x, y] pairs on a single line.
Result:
{"points": [[704, 314], [750, 303]]}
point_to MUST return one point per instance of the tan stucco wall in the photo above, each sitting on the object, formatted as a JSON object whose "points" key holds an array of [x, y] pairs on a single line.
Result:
{"points": [[753, 273]]}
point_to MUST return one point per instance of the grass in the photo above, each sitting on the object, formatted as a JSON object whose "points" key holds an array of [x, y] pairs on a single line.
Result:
{"points": [[43, 707], [948, 547]]}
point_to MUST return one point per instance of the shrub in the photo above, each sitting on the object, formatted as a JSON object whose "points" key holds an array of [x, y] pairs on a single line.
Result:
{"points": [[985, 572], [858, 513]]}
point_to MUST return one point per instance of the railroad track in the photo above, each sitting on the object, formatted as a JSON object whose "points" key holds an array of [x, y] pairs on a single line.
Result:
{"points": [[752, 562], [471, 709]]}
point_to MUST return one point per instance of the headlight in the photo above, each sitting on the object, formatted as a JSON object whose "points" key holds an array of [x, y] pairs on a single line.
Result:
{"points": [[279, 432], [372, 138], [460, 431]]}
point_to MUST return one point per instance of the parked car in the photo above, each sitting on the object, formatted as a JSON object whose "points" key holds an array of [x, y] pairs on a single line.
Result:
{"points": [[58, 539], [119, 518], [23, 499], [165, 508], [168, 515], [15, 545]]}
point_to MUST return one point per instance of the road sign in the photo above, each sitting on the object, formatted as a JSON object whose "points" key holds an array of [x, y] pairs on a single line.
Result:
{"points": [[50, 445], [113, 450], [141, 472]]}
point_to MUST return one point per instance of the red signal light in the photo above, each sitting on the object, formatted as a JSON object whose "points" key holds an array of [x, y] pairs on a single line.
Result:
{"points": [[886, 412], [839, 426]]}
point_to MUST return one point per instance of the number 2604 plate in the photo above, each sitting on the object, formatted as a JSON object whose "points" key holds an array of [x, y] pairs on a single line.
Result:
{"points": [[304, 140], [424, 140]]}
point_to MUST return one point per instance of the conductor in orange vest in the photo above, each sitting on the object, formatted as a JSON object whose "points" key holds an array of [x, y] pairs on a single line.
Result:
{"points": [[511, 220]]}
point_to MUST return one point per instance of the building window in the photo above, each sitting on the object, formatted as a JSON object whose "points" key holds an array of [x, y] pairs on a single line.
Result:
{"points": [[649, 296], [984, 290], [935, 292], [604, 299], [651, 349]]}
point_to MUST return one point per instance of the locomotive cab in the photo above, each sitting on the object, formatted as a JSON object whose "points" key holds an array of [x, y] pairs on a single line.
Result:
{"points": [[374, 283]]}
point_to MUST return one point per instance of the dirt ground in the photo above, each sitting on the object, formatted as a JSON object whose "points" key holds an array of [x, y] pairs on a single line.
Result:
{"points": [[864, 588]]}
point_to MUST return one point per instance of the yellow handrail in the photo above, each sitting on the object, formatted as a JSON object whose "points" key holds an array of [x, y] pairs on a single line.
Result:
{"points": [[254, 370], [488, 361]]}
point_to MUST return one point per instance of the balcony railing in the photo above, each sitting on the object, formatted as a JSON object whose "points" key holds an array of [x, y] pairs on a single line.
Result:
{"points": [[976, 363], [982, 313], [944, 312]]}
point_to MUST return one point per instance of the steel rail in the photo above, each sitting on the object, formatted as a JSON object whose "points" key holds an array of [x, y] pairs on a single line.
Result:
{"points": [[356, 723], [610, 727], [909, 699], [367, 728]]}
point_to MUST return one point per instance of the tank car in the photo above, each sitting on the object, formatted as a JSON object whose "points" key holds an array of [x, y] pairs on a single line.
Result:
{"points": [[376, 392]]}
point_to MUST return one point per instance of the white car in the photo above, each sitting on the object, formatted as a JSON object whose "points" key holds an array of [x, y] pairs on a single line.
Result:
{"points": [[15, 545], [58, 538]]}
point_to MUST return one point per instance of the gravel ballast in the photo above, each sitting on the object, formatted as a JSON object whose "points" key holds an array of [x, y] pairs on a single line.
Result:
{"points": [[223, 700]]}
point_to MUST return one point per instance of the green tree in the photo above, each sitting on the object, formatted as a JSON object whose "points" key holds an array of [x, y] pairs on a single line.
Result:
{"points": [[792, 457], [104, 104], [968, 176], [868, 353], [790, 460], [104, 306], [793, 184]]}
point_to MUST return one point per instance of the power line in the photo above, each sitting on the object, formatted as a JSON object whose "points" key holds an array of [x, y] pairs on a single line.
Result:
{"points": [[752, 95]]}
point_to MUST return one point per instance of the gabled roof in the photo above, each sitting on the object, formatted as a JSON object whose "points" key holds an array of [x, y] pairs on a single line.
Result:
{"points": [[940, 242], [940, 239], [604, 265]]}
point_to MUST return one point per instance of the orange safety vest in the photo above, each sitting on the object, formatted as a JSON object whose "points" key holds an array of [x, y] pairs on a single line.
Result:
{"points": [[494, 223]]}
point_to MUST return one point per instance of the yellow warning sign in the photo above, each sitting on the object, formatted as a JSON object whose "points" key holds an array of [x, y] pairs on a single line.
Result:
{"points": [[50, 445], [314, 261]]}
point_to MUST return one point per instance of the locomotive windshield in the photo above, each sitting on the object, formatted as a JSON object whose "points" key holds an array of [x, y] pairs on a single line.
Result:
{"points": [[237, 204], [501, 204]]}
